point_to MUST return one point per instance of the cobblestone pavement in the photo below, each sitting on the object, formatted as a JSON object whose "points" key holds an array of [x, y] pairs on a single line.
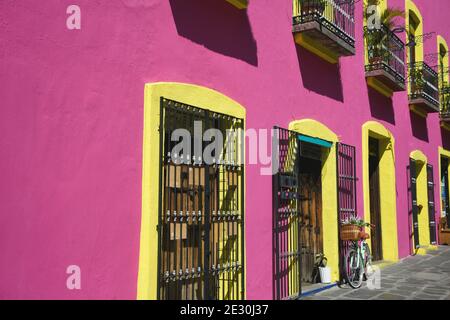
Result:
{"points": [[425, 277]]}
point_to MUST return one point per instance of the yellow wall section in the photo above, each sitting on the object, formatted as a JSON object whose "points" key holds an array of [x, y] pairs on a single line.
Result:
{"points": [[189, 94], [422, 196], [240, 4], [316, 48], [388, 205], [309, 44], [329, 189]]}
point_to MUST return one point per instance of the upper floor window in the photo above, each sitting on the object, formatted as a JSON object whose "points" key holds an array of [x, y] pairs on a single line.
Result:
{"points": [[444, 86], [423, 81]]}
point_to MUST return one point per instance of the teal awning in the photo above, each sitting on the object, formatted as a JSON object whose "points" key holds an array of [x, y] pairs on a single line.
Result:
{"points": [[316, 141]]}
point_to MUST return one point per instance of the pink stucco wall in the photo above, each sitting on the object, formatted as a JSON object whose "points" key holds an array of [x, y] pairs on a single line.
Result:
{"points": [[71, 119]]}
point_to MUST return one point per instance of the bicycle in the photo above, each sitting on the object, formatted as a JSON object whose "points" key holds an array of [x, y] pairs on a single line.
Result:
{"points": [[358, 262]]}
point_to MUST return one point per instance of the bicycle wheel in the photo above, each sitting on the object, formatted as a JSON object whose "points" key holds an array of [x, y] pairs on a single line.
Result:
{"points": [[368, 268], [353, 269]]}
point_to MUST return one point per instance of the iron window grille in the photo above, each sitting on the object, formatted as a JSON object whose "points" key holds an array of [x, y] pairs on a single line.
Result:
{"points": [[338, 16], [431, 204], [413, 209], [201, 211], [346, 194]]}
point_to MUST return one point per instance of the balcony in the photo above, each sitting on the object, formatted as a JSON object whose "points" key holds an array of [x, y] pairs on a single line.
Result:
{"points": [[423, 86], [240, 4], [385, 71], [325, 27], [445, 105]]}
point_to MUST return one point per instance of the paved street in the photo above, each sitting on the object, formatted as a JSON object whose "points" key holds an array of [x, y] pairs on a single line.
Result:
{"points": [[418, 277]]}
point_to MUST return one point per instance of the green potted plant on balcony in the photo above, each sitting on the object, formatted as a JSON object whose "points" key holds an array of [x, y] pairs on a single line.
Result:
{"points": [[417, 79], [445, 98]]}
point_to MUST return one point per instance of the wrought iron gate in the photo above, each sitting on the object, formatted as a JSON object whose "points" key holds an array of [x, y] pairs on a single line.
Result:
{"points": [[346, 192], [431, 205], [201, 209], [412, 190], [286, 217]]}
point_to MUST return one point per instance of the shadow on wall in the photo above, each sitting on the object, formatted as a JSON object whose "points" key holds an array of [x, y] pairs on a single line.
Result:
{"points": [[320, 76], [217, 25], [419, 126], [381, 107], [445, 134]]}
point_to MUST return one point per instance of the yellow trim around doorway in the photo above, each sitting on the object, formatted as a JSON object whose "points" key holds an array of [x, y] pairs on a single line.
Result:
{"points": [[316, 129], [189, 94], [422, 198], [388, 200]]}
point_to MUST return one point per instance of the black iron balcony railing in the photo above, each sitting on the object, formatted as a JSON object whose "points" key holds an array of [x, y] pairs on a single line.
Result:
{"points": [[385, 52], [335, 15], [445, 102], [424, 84]]}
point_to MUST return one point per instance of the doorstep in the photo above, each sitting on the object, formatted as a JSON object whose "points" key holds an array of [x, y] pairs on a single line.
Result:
{"points": [[315, 288], [423, 250], [383, 263]]}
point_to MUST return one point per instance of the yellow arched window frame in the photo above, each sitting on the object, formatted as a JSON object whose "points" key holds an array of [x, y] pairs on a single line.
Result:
{"points": [[443, 61], [414, 26]]}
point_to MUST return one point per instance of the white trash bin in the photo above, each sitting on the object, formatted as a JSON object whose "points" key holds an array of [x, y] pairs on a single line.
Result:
{"points": [[325, 274]]}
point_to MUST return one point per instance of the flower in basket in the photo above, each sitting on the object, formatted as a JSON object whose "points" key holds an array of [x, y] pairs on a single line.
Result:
{"points": [[356, 222]]}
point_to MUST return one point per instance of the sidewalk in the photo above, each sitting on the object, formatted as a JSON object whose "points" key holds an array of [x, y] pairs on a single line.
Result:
{"points": [[417, 277]]}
